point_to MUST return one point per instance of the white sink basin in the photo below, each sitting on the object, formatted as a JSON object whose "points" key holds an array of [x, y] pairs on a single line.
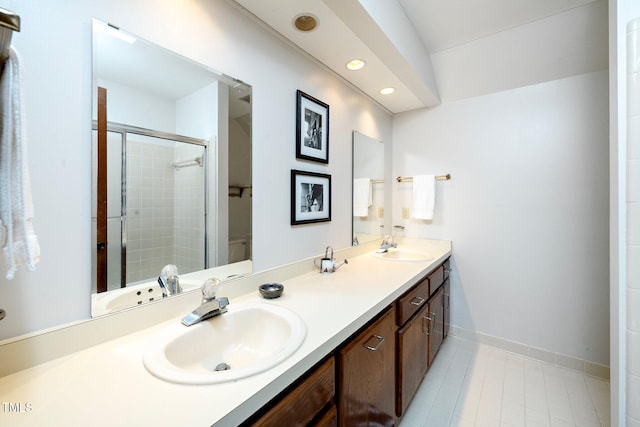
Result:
{"points": [[249, 338], [134, 295], [402, 255]]}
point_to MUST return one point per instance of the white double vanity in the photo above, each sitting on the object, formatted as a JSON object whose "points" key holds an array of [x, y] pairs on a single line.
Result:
{"points": [[93, 372]]}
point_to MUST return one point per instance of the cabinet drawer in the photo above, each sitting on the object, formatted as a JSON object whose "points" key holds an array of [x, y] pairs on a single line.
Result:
{"points": [[412, 301], [447, 268], [329, 419], [435, 279], [303, 403]]}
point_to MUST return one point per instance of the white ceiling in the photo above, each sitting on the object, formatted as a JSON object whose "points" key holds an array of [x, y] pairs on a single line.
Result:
{"points": [[444, 50], [444, 24]]}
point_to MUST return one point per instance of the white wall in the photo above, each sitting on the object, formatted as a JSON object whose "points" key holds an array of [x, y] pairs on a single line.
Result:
{"points": [[197, 113], [527, 209], [55, 44], [135, 107]]}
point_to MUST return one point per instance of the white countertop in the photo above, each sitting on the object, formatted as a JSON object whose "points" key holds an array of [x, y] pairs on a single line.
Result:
{"points": [[107, 384]]}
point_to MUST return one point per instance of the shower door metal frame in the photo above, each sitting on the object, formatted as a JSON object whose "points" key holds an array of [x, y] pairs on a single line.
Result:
{"points": [[123, 129]]}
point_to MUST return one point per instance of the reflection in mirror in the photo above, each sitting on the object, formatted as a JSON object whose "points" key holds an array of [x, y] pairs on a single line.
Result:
{"points": [[171, 174], [368, 188]]}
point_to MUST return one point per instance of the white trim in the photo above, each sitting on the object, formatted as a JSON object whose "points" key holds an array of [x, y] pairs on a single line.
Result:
{"points": [[585, 366]]}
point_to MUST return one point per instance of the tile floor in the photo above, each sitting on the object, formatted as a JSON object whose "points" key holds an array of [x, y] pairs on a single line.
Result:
{"points": [[471, 384]]}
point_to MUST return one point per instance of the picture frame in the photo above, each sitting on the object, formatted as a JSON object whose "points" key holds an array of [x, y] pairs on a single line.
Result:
{"points": [[310, 197], [312, 128]]}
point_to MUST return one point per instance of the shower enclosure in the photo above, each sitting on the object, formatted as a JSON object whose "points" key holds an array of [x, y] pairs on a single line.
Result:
{"points": [[156, 199]]}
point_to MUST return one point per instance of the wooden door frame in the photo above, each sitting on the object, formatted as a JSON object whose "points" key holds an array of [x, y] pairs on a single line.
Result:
{"points": [[101, 191]]}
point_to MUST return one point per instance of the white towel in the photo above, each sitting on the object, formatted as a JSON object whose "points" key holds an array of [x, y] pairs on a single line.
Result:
{"points": [[19, 243], [424, 196], [362, 196]]}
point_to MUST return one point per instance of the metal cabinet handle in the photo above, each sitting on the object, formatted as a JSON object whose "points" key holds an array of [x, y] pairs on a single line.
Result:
{"points": [[446, 304], [427, 329], [417, 303], [431, 323], [380, 341]]}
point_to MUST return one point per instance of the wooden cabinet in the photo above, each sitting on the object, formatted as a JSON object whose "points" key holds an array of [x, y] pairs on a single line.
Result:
{"points": [[330, 419], [421, 321], [435, 323], [413, 345], [310, 400], [447, 294], [366, 376], [371, 379], [447, 306]]}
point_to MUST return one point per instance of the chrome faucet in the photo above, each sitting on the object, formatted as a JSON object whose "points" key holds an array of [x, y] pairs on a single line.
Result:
{"points": [[387, 243], [210, 306], [169, 281]]}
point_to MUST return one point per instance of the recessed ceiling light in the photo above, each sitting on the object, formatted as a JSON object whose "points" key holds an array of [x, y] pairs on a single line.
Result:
{"points": [[306, 22], [355, 64], [387, 90]]}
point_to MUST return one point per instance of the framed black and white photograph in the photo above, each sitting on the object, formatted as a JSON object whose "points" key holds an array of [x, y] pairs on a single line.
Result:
{"points": [[312, 129], [310, 197]]}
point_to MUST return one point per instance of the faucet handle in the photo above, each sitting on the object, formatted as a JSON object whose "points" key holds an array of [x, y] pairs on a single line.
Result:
{"points": [[210, 288], [169, 270]]}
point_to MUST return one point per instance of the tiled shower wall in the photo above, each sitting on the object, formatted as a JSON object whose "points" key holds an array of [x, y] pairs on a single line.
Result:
{"points": [[190, 201], [164, 209], [633, 225], [150, 209]]}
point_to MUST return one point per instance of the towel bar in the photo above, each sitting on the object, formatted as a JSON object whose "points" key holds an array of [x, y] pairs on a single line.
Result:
{"points": [[9, 22], [410, 178]]}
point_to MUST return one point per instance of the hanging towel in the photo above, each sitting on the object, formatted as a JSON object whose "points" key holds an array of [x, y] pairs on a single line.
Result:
{"points": [[362, 197], [18, 240], [424, 196]]}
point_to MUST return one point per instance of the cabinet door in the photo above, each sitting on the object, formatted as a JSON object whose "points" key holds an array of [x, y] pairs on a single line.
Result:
{"points": [[299, 406], [447, 307], [436, 323], [367, 376], [413, 343]]}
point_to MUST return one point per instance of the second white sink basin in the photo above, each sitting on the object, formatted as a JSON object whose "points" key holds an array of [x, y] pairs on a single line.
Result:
{"points": [[133, 296], [248, 339], [395, 254]]}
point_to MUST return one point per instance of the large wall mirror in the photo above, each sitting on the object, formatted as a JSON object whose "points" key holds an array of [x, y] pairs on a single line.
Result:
{"points": [[368, 188], [171, 174]]}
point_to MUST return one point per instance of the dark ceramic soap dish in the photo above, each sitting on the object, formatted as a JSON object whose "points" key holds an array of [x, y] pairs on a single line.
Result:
{"points": [[271, 290]]}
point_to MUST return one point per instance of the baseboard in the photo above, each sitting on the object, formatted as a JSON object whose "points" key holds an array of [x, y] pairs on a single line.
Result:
{"points": [[585, 366]]}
